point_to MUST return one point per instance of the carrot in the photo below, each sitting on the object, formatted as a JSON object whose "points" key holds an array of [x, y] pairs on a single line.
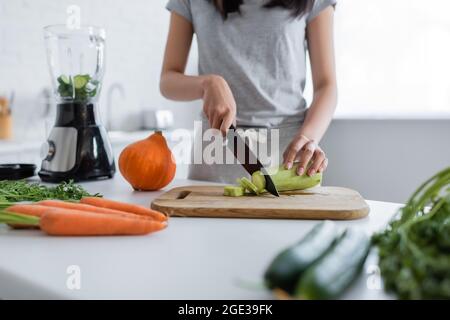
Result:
{"points": [[26, 209], [65, 222], [122, 206], [87, 208]]}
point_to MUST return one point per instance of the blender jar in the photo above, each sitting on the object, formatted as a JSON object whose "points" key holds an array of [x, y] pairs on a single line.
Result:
{"points": [[76, 61]]}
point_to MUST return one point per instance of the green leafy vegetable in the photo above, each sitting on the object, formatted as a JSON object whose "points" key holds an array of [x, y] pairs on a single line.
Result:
{"points": [[21, 190], [414, 250], [79, 88]]}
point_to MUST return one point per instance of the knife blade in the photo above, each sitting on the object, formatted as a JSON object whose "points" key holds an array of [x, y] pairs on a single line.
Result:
{"points": [[250, 162]]}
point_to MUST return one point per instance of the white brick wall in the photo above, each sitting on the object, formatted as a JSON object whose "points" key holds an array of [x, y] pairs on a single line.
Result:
{"points": [[136, 33]]}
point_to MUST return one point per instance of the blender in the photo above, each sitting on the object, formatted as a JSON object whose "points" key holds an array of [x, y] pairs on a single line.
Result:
{"points": [[77, 147]]}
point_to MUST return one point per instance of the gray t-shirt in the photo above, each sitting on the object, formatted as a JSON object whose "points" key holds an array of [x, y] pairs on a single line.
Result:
{"points": [[260, 52]]}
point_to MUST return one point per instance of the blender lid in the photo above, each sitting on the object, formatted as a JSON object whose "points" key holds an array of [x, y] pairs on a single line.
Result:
{"points": [[16, 171]]}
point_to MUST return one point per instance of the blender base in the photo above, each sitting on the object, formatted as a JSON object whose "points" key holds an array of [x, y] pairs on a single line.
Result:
{"points": [[55, 177], [78, 147]]}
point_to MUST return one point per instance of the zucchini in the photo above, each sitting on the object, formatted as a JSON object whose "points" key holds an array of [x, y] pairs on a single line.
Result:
{"points": [[233, 191], [336, 270], [240, 190], [248, 185], [286, 179], [285, 270]]}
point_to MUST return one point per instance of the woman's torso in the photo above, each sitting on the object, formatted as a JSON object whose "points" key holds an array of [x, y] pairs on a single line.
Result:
{"points": [[261, 54]]}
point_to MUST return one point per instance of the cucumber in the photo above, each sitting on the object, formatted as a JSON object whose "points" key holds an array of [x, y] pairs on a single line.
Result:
{"points": [[80, 81], [64, 80], [335, 271], [286, 179], [233, 191], [285, 270]]}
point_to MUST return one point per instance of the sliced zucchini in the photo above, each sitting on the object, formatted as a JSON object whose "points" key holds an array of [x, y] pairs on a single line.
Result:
{"points": [[233, 191], [248, 185]]}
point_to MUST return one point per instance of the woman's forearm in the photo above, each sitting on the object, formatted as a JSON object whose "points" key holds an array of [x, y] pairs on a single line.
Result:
{"points": [[180, 87], [219, 106], [320, 113]]}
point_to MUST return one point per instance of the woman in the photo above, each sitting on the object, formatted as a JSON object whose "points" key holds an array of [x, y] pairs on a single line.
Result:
{"points": [[252, 70]]}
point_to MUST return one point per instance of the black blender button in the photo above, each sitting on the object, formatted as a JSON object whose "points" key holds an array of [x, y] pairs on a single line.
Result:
{"points": [[16, 171]]}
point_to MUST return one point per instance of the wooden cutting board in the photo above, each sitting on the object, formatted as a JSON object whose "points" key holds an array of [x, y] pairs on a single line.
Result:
{"points": [[208, 201]]}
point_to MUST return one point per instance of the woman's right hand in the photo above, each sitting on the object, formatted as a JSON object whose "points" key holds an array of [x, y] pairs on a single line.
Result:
{"points": [[218, 103]]}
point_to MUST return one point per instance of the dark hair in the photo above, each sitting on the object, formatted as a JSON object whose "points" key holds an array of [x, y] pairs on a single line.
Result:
{"points": [[297, 7]]}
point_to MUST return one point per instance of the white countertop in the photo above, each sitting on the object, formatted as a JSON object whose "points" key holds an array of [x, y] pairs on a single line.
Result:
{"points": [[194, 258]]}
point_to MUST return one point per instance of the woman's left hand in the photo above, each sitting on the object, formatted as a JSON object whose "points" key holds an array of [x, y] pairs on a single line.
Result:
{"points": [[305, 151]]}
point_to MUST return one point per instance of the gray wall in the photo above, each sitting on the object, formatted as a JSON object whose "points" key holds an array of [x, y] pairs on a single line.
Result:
{"points": [[386, 159]]}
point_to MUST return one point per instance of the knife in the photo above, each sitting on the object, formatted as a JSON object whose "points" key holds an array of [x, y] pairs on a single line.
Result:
{"points": [[251, 162]]}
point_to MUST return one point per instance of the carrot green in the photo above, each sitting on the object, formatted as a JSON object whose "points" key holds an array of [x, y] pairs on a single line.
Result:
{"points": [[12, 192], [414, 249]]}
